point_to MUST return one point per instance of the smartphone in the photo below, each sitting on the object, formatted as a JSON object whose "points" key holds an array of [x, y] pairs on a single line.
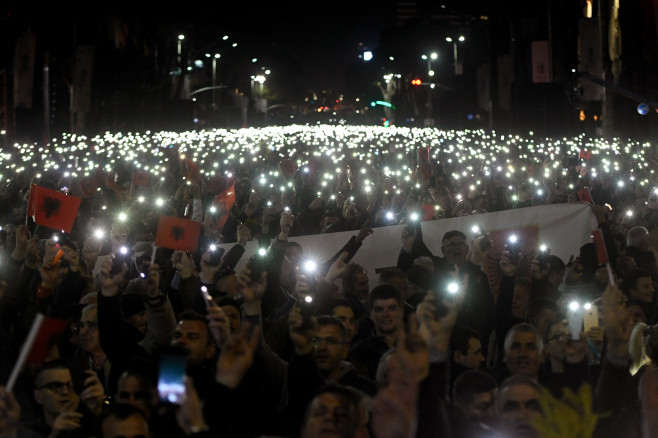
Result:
{"points": [[575, 313], [513, 246], [591, 317], [543, 255], [216, 254], [171, 376], [206, 296], [306, 306]]}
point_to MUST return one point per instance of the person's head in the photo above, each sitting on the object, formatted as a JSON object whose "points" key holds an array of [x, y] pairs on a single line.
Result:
{"points": [[134, 311], [521, 298], [135, 386], [227, 281], [523, 350], [518, 406], [638, 237], [330, 344], [333, 412], [473, 393], [541, 310], [192, 334], [122, 420], [53, 388], [625, 264], [556, 270], [635, 309], [343, 310], [466, 347], [556, 337], [638, 285], [87, 329], [355, 281], [385, 309], [395, 277], [291, 260], [454, 247], [233, 312]]}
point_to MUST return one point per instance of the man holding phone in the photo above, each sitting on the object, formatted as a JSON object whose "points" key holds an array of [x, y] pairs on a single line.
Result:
{"points": [[478, 309]]}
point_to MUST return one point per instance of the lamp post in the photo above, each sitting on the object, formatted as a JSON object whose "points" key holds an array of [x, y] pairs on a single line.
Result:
{"points": [[459, 68], [214, 57], [430, 74]]}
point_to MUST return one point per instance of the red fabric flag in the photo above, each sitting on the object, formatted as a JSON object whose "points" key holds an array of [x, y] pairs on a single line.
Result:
{"points": [[584, 195], [288, 168], [30, 202], [178, 233], [141, 178], [601, 251], [54, 209], [193, 172], [585, 154], [428, 212], [46, 339], [224, 202], [217, 183]]}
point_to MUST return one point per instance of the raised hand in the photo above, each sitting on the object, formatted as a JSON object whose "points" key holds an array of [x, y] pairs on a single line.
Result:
{"points": [[108, 281], [337, 268], [10, 413], [189, 414], [68, 419], [94, 393], [237, 356], [218, 324], [617, 322]]}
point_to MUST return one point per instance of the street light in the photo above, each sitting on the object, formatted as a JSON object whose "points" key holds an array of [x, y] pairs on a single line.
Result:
{"points": [[430, 73], [215, 57], [459, 68], [181, 37]]}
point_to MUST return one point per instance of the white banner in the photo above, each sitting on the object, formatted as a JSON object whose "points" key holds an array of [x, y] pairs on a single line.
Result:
{"points": [[564, 228]]}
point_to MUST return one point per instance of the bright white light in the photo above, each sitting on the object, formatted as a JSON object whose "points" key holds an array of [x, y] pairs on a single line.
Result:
{"points": [[453, 288], [367, 55], [574, 305], [262, 251]]}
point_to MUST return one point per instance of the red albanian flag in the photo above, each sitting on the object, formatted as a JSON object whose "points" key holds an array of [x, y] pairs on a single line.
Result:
{"points": [[585, 154], [177, 233], [46, 339], [53, 209], [584, 195]]}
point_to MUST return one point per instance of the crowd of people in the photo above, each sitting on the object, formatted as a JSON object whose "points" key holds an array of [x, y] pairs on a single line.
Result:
{"points": [[160, 342]]}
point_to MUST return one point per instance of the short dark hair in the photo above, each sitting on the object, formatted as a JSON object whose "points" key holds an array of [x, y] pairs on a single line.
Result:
{"points": [[120, 411], [55, 364], [460, 337], [631, 278], [539, 304], [348, 395], [452, 233], [351, 271], [470, 383], [384, 292], [228, 301], [390, 273], [325, 320], [326, 307]]}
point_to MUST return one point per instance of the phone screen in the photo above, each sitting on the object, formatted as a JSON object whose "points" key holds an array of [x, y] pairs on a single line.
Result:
{"points": [[171, 377], [575, 320]]}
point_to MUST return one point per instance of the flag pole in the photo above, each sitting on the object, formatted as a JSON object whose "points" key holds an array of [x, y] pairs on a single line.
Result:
{"points": [[25, 350], [155, 248]]}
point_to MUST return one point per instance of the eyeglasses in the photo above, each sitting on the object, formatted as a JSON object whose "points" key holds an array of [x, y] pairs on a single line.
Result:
{"points": [[80, 325], [57, 386], [329, 340]]}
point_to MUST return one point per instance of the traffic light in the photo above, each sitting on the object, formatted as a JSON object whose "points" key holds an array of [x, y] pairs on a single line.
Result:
{"points": [[416, 82]]}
